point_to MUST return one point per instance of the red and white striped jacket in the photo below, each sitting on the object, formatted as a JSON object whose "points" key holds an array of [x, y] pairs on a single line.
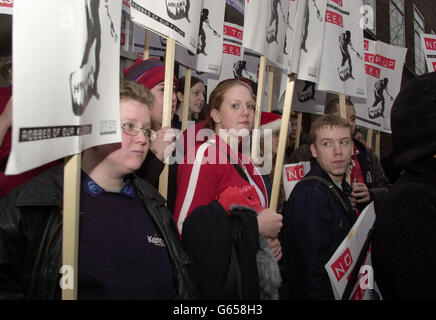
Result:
{"points": [[212, 172]]}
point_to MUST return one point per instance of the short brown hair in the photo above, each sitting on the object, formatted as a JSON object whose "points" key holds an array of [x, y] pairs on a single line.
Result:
{"points": [[130, 89], [329, 120], [217, 97]]}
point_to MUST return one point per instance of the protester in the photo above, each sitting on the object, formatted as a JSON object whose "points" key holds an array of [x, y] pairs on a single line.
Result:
{"points": [[196, 101], [270, 124], [220, 205], [128, 245], [404, 242], [359, 136], [318, 215], [293, 135], [151, 74], [367, 177]]}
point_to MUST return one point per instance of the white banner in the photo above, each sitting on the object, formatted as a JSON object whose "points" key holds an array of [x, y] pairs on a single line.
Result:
{"points": [[74, 104], [209, 54], [292, 173], [290, 32], [384, 69], [233, 65], [428, 44], [312, 40], [176, 19], [342, 66], [296, 15], [265, 33], [306, 97], [6, 6], [341, 264]]}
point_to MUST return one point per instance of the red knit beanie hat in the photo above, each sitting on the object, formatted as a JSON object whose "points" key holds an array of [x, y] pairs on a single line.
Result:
{"points": [[148, 72]]}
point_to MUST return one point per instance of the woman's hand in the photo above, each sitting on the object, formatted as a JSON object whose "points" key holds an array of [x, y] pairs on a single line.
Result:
{"points": [[269, 223]]}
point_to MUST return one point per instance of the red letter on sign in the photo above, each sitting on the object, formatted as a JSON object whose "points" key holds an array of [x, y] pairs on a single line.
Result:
{"points": [[342, 264], [295, 173]]}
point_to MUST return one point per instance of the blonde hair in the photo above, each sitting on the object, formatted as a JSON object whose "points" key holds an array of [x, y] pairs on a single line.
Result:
{"points": [[133, 90]]}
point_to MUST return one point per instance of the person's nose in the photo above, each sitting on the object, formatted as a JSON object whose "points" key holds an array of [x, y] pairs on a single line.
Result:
{"points": [[142, 138], [337, 149]]}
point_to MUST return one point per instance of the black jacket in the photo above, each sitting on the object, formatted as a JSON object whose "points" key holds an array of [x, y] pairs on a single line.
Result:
{"points": [[404, 242], [208, 236], [31, 238], [314, 225]]}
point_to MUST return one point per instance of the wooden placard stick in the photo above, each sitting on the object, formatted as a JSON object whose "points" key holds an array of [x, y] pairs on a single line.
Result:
{"points": [[146, 53], [369, 138], [167, 105], [269, 92], [343, 113], [70, 229], [290, 84], [298, 136], [377, 143], [342, 106], [186, 98], [258, 111]]}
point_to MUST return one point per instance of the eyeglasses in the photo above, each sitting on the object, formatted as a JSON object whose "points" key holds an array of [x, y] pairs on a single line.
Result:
{"points": [[133, 130]]}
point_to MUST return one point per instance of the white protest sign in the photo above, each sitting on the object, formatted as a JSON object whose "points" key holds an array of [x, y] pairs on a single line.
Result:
{"points": [[176, 19], [233, 65], [266, 27], [292, 173], [209, 53], [428, 43], [74, 104], [306, 97], [6, 6], [201, 75], [341, 264], [312, 40], [383, 68], [293, 54], [342, 66], [291, 24]]}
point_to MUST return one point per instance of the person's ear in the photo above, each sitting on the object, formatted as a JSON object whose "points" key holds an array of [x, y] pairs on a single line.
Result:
{"points": [[215, 115], [180, 96], [313, 150]]}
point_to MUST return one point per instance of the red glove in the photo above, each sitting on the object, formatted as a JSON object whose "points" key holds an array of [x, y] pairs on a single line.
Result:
{"points": [[240, 196]]}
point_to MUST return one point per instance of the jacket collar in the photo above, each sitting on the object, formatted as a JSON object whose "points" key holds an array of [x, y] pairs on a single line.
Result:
{"points": [[46, 189], [317, 170]]}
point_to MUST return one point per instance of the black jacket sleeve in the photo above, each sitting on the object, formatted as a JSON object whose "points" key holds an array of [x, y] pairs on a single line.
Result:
{"points": [[151, 169]]}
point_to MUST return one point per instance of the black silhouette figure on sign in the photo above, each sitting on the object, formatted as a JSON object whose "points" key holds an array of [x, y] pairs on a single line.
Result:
{"points": [[178, 9], [308, 92], [240, 70], [379, 88], [204, 19], [273, 29], [83, 82], [306, 23], [346, 71]]}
